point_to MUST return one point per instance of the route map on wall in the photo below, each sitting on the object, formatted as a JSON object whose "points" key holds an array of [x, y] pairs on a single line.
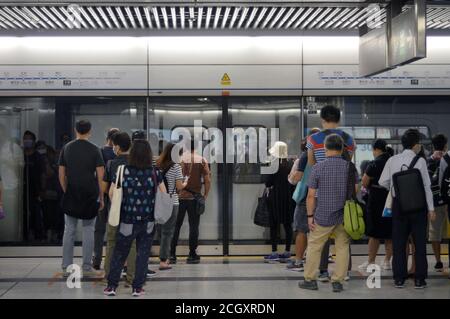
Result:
{"points": [[73, 77], [406, 77]]}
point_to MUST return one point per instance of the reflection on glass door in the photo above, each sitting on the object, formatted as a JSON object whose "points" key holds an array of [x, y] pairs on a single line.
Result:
{"points": [[247, 180], [168, 114], [11, 168]]}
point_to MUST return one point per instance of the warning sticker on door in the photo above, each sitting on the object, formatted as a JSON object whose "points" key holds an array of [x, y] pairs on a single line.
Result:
{"points": [[226, 80]]}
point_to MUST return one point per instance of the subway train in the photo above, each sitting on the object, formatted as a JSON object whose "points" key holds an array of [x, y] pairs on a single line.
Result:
{"points": [[157, 84]]}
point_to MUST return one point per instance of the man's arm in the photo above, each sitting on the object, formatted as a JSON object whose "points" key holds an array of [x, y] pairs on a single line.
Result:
{"points": [[311, 207], [427, 184], [206, 178], [100, 172], [311, 158], [62, 178]]}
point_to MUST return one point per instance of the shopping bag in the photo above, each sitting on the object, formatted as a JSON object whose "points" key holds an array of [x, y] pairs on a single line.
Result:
{"points": [[262, 211], [387, 211], [302, 187]]}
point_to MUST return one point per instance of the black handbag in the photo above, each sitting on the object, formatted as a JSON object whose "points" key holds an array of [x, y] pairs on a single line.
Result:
{"points": [[262, 212]]}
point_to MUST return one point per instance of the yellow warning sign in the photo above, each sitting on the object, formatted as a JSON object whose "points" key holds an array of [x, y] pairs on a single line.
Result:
{"points": [[226, 80]]}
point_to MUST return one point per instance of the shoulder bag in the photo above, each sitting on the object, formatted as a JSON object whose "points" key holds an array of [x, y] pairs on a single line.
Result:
{"points": [[163, 203], [353, 212], [116, 202]]}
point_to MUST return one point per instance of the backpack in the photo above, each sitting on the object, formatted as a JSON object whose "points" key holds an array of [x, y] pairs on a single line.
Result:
{"points": [[433, 171], [410, 190], [445, 186], [353, 213]]}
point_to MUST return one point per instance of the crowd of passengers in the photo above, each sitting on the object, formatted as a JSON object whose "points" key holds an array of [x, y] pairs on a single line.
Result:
{"points": [[77, 183]]}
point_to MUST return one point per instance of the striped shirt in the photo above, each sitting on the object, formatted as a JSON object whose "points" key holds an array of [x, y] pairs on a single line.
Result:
{"points": [[316, 143], [173, 174]]}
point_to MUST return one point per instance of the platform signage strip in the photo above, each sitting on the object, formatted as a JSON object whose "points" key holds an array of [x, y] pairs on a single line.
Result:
{"points": [[73, 77], [334, 77]]}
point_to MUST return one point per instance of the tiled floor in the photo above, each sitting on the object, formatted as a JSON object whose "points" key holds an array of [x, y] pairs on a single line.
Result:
{"points": [[214, 278]]}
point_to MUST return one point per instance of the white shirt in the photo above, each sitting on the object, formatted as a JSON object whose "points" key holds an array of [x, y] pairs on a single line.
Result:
{"points": [[395, 164]]}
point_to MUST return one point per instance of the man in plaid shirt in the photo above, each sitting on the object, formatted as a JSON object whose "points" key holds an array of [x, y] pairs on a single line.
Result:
{"points": [[328, 180]]}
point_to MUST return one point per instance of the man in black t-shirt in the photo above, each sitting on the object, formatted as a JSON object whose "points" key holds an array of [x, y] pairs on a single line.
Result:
{"points": [[81, 170]]}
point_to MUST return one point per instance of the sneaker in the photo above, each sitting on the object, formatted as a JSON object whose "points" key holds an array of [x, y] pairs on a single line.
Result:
{"points": [[150, 273], [193, 259], [331, 259], [324, 277], [173, 259], [399, 284], [273, 257], [439, 267], [90, 272], [420, 284], [364, 265], [96, 267], [109, 291], [337, 286], [65, 273], [308, 284], [294, 265], [387, 265], [137, 292], [284, 257], [347, 277]]}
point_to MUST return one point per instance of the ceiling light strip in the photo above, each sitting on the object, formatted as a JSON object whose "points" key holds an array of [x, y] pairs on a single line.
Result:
{"points": [[260, 17], [122, 17], [137, 11], [50, 15], [334, 20], [277, 17], [96, 17], [302, 18], [252, 16], [208, 17], [242, 18], [113, 17], [217, 16], [199, 17], [225, 17], [329, 17], [148, 17], [310, 18], [130, 17], [319, 18], [104, 17], [268, 17], [87, 18], [285, 17], [44, 21], [296, 15], [234, 17], [173, 14], [30, 17]]}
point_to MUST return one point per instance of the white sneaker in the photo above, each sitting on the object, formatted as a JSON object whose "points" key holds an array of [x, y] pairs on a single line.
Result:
{"points": [[347, 278], [387, 265], [364, 265]]}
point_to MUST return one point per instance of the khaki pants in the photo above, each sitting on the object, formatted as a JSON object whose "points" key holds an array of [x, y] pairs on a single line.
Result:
{"points": [[110, 244], [317, 240]]}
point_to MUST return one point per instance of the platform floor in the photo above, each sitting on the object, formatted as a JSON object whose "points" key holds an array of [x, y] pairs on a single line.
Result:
{"points": [[215, 277]]}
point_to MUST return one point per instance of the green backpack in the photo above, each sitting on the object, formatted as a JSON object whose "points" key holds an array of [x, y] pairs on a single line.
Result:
{"points": [[353, 212]]}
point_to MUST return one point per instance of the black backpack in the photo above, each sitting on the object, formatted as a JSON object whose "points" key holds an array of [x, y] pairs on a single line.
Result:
{"points": [[445, 186], [410, 190], [433, 171]]}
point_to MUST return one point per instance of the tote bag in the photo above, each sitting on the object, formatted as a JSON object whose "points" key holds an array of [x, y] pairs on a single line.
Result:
{"points": [[163, 204], [262, 210], [302, 187], [116, 202]]}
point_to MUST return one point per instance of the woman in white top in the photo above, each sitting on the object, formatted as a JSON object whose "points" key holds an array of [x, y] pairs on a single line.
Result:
{"points": [[173, 178]]}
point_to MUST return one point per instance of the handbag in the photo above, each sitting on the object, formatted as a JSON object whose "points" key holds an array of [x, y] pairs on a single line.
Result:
{"points": [[353, 213], [163, 204], [262, 212], [387, 211], [302, 187], [116, 201]]}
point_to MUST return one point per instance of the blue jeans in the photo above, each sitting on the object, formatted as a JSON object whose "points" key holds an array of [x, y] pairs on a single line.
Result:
{"points": [[143, 234], [69, 239]]}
